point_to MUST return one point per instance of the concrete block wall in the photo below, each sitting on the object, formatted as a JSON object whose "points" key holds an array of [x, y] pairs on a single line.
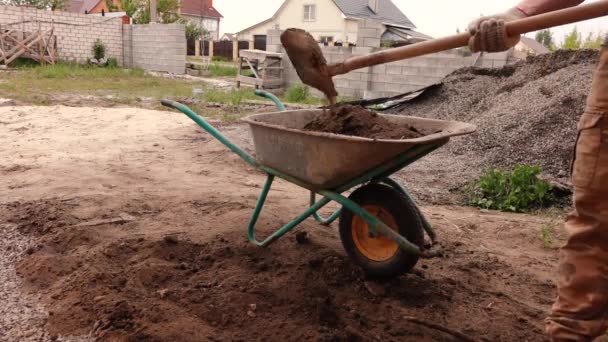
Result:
{"points": [[369, 33], [393, 78], [155, 47], [76, 33]]}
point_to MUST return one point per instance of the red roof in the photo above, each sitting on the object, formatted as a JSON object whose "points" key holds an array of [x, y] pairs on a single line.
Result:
{"points": [[201, 8]]}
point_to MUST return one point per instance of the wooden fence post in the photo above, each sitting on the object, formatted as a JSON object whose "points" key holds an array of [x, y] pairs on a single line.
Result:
{"points": [[211, 50], [235, 50], [197, 47]]}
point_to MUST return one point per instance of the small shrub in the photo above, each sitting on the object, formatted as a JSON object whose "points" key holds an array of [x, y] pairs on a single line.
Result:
{"points": [[99, 49], [297, 93], [518, 190], [112, 63]]}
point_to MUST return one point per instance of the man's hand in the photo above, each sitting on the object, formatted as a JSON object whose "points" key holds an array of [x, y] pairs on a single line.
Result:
{"points": [[489, 33]]}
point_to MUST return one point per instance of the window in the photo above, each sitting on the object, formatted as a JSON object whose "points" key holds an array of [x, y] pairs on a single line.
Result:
{"points": [[310, 12], [326, 40]]}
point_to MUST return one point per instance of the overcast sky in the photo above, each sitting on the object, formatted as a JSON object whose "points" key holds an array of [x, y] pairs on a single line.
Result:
{"points": [[433, 17]]}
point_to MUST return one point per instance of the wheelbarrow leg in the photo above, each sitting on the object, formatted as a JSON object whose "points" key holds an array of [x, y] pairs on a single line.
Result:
{"points": [[286, 228], [318, 218], [425, 223]]}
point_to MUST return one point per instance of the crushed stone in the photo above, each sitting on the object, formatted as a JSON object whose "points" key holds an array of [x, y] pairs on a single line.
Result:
{"points": [[526, 113]]}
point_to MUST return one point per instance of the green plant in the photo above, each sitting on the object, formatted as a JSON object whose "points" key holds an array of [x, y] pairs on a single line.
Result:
{"points": [[517, 190], [573, 40], [297, 93], [99, 49], [193, 31], [545, 37], [112, 63], [218, 70], [547, 235]]}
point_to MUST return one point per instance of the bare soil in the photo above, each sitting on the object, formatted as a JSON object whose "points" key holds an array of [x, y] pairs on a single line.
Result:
{"points": [[358, 121], [135, 222]]}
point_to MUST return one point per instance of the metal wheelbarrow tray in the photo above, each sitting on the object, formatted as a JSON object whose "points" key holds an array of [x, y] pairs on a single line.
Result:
{"points": [[381, 228]]}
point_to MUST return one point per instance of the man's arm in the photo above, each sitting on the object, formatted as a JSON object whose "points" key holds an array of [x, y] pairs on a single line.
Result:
{"points": [[489, 34]]}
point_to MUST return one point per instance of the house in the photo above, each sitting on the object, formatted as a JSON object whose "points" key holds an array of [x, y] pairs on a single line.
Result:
{"points": [[334, 21], [203, 14], [98, 7], [199, 12], [228, 36], [91, 6], [528, 47]]}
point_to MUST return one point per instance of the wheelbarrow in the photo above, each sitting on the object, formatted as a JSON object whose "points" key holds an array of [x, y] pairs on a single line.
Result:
{"points": [[381, 227]]}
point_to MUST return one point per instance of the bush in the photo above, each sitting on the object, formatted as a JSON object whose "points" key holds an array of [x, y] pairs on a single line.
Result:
{"points": [[518, 190], [99, 49], [112, 63], [297, 93]]}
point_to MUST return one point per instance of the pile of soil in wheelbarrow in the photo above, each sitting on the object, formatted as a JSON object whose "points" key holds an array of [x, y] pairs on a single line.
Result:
{"points": [[358, 121]]}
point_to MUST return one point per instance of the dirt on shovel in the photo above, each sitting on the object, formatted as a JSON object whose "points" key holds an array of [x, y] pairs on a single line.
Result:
{"points": [[358, 121]]}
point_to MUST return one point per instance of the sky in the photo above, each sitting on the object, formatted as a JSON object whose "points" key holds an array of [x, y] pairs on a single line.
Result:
{"points": [[436, 18]]}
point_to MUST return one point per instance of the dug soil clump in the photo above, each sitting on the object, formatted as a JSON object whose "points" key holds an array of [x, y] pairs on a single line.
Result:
{"points": [[360, 122]]}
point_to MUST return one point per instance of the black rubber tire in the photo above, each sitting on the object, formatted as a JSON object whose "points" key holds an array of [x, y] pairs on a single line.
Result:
{"points": [[409, 226]]}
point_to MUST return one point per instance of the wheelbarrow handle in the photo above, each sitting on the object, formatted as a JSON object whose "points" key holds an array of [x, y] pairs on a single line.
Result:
{"points": [[277, 102], [211, 130], [170, 104]]}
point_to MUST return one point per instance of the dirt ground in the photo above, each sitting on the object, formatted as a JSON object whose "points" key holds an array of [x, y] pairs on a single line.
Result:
{"points": [[129, 224]]}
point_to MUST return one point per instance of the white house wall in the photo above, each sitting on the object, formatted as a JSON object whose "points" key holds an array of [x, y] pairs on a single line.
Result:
{"points": [[329, 21], [209, 24]]}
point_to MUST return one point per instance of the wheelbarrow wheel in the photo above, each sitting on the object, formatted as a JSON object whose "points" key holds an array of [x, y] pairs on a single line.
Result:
{"points": [[380, 256]]}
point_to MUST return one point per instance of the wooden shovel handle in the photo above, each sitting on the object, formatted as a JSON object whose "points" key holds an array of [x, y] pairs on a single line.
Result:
{"points": [[516, 27]]}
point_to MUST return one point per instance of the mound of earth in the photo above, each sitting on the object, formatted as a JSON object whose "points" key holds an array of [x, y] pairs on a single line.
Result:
{"points": [[526, 113], [358, 121]]}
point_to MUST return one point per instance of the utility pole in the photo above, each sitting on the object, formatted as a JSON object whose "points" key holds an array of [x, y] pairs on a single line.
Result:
{"points": [[153, 18]]}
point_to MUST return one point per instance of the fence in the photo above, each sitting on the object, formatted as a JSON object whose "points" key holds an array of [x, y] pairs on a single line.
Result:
{"points": [[156, 47]]}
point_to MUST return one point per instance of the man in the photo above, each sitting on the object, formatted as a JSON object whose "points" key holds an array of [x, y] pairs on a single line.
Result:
{"points": [[580, 312]]}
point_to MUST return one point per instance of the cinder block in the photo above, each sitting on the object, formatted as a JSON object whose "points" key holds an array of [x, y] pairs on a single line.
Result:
{"points": [[371, 42], [369, 33], [393, 70]]}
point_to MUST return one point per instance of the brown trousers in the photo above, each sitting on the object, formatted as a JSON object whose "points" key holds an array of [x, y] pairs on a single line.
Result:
{"points": [[580, 312]]}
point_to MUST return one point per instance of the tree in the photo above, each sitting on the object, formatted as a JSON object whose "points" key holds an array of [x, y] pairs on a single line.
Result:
{"points": [[572, 40], [112, 7], [593, 41], [139, 10], [545, 37], [193, 31], [40, 4]]}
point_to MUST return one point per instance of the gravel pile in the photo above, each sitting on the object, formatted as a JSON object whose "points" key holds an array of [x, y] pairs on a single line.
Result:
{"points": [[526, 113]]}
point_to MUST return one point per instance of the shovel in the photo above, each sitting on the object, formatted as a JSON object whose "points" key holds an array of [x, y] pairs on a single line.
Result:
{"points": [[307, 58]]}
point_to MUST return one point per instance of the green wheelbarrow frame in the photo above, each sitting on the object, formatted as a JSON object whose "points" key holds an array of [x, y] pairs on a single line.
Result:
{"points": [[380, 174]]}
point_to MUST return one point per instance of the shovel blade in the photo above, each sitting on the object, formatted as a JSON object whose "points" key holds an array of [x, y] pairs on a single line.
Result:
{"points": [[309, 62]]}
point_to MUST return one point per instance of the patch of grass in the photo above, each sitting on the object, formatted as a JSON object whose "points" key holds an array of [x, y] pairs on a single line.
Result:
{"points": [[297, 93], [39, 84], [217, 70], [518, 190], [547, 235]]}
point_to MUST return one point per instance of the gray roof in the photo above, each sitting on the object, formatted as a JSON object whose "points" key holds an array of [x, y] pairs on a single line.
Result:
{"points": [[387, 11], [534, 45]]}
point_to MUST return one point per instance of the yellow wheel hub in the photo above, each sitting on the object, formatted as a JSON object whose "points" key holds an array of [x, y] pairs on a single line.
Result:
{"points": [[379, 248]]}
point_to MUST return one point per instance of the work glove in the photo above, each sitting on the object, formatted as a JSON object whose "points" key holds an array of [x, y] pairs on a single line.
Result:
{"points": [[489, 33]]}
